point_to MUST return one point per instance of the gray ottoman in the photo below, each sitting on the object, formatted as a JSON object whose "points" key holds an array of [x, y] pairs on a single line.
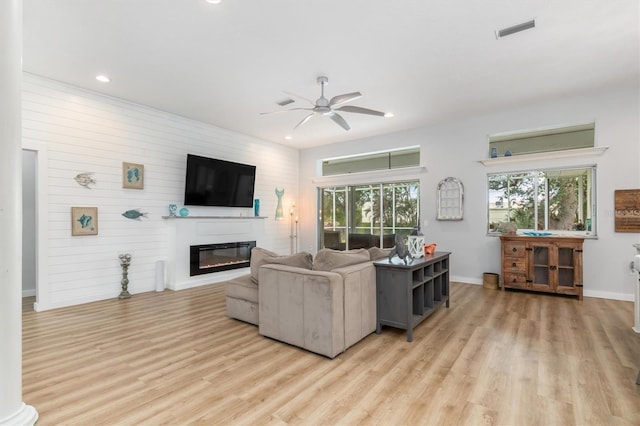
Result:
{"points": [[242, 299]]}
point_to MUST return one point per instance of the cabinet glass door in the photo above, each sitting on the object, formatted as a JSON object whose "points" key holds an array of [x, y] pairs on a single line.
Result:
{"points": [[541, 265], [565, 267]]}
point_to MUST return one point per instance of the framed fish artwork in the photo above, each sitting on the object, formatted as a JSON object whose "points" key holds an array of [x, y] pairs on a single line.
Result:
{"points": [[84, 221], [132, 176]]}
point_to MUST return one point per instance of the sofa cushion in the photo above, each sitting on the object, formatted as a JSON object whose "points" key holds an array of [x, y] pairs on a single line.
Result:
{"points": [[243, 288], [376, 253], [260, 256], [329, 259]]}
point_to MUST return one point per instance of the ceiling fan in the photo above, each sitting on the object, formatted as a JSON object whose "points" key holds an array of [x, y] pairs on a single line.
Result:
{"points": [[329, 108]]}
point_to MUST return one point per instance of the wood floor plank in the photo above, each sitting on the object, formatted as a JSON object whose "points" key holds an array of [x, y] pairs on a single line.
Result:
{"points": [[492, 358]]}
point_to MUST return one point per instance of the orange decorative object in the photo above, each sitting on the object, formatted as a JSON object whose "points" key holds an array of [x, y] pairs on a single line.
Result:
{"points": [[429, 248]]}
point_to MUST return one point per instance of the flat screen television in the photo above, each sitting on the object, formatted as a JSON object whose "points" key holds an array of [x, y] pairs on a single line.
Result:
{"points": [[212, 182]]}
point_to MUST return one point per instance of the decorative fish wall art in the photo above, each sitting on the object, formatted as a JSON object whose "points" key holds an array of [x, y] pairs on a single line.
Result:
{"points": [[135, 214], [85, 179], [85, 221]]}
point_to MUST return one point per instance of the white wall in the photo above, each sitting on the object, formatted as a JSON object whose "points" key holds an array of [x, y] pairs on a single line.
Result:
{"points": [[454, 148], [84, 131]]}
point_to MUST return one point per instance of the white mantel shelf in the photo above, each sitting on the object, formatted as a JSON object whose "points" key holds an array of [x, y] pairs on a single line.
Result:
{"points": [[215, 217]]}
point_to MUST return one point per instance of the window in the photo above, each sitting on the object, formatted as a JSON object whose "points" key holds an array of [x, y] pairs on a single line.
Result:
{"points": [[406, 157], [364, 216], [548, 140], [557, 201]]}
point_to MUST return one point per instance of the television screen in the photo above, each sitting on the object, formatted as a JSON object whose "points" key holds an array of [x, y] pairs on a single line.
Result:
{"points": [[212, 182]]}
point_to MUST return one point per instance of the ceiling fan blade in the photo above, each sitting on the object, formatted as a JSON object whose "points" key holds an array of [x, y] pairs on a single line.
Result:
{"points": [[286, 110], [360, 110], [342, 99], [338, 119], [294, 95], [304, 120]]}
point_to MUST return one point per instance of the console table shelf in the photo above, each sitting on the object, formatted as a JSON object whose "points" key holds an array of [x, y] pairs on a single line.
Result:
{"points": [[408, 294]]}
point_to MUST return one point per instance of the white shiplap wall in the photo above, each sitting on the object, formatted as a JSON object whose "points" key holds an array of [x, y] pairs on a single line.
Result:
{"points": [[83, 131]]}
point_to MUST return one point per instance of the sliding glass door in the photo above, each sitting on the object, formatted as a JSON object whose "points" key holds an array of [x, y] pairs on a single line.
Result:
{"points": [[364, 216]]}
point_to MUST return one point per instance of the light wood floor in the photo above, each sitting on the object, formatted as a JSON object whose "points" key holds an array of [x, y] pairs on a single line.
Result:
{"points": [[504, 358]]}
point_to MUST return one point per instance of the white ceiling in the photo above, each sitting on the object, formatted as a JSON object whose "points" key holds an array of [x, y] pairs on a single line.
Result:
{"points": [[424, 60]]}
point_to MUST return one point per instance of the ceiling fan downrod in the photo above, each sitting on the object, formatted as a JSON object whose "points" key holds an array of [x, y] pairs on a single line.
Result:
{"points": [[322, 104]]}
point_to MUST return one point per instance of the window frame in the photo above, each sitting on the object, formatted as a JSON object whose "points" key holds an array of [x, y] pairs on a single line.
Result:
{"points": [[348, 189], [377, 161], [546, 140], [592, 168]]}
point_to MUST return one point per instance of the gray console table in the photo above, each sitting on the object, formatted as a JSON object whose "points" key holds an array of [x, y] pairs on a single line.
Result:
{"points": [[407, 294]]}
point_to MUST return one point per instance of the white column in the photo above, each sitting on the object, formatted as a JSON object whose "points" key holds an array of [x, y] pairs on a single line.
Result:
{"points": [[12, 410]]}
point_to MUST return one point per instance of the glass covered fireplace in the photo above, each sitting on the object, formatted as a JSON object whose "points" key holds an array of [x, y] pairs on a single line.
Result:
{"points": [[209, 258]]}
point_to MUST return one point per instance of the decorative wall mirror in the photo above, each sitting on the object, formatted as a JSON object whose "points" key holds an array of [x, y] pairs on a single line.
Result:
{"points": [[450, 196]]}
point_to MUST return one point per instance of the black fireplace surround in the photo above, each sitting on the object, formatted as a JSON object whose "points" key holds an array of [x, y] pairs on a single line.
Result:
{"points": [[209, 258]]}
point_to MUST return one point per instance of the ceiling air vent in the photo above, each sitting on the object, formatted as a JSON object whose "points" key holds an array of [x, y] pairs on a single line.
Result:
{"points": [[515, 29], [285, 102]]}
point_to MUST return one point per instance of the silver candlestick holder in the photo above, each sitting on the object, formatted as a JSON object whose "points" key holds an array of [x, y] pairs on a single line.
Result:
{"points": [[125, 261]]}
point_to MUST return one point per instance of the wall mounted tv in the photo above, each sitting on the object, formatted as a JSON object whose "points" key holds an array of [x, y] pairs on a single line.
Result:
{"points": [[212, 182]]}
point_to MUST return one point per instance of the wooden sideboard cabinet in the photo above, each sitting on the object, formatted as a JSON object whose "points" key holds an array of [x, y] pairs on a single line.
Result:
{"points": [[548, 264]]}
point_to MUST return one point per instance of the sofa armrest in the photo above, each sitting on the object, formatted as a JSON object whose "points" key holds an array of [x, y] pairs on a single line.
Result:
{"points": [[360, 309], [302, 307]]}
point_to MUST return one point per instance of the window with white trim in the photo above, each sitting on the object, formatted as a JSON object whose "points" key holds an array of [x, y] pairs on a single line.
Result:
{"points": [[387, 160], [545, 140], [363, 216], [554, 201]]}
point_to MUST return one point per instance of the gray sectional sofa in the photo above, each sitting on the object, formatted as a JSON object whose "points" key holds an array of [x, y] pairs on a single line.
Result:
{"points": [[241, 293], [324, 307]]}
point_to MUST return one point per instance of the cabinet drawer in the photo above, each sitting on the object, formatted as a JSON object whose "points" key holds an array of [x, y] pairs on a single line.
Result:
{"points": [[514, 264], [515, 279], [514, 248]]}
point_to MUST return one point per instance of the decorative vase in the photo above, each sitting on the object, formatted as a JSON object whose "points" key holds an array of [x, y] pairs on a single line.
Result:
{"points": [[279, 211], [429, 248], [184, 212], [172, 209], [256, 207], [494, 152]]}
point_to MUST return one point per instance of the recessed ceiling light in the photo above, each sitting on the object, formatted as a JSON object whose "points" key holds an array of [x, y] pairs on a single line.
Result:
{"points": [[389, 114], [103, 78], [288, 137], [214, 1]]}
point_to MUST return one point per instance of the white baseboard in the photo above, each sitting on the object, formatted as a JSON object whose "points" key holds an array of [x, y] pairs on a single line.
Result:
{"points": [[608, 295], [587, 293], [29, 292], [209, 279]]}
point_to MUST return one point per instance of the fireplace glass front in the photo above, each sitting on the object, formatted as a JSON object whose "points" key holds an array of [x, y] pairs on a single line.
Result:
{"points": [[209, 258]]}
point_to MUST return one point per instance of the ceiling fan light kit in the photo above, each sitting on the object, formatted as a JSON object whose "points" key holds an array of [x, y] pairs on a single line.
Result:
{"points": [[329, 107]]}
